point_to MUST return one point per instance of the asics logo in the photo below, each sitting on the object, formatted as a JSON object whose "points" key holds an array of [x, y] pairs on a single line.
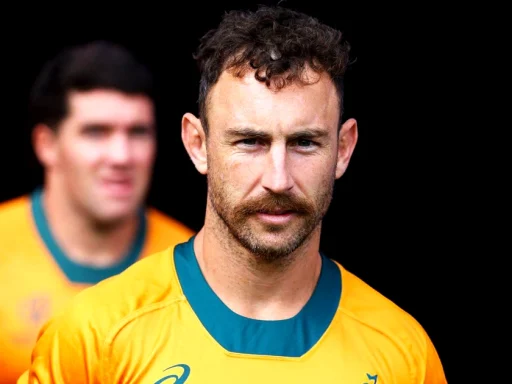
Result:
{"points": [[177, 373]]}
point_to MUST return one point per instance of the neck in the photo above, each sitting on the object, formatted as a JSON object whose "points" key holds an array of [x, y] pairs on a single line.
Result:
{"points": [[256, 289], [84, 240]]}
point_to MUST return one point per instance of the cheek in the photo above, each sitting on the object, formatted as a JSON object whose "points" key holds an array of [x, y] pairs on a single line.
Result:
{"points": [[243, 175], [227, 176], [79, 158], [313, 174], [144, 155]]}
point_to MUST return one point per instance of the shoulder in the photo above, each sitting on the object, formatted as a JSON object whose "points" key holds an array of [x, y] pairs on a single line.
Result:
{"points": [[76, 344], [99, 310], [384, 320], [372, 309], [88, 327], [15, 221], [162, 223], [14, 208]]}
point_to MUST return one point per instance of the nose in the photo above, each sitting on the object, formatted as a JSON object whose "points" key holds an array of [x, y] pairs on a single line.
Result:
{"points": [[119, 151], [276, 175]]}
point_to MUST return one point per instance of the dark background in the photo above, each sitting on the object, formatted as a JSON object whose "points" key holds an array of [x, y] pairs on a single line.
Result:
{"points": [[392, 218]]}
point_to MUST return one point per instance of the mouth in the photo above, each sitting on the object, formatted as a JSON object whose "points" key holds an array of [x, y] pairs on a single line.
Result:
{"points": [[276, 212], [119, 187], [279, 217]]}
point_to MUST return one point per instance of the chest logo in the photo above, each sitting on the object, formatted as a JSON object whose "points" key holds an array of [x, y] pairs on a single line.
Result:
{"points": [[372, 379], [178, 373]]}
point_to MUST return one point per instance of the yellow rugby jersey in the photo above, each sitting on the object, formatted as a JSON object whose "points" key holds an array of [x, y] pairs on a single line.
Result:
{"points": [[37, 278], [160, 323]]}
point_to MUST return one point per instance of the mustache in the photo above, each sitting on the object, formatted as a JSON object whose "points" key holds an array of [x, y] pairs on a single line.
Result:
{"points": [[272, 203]]}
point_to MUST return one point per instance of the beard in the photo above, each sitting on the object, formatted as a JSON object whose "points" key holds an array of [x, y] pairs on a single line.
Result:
{"points": [[269, 242]]}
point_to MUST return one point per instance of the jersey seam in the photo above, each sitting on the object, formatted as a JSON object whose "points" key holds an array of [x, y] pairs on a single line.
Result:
{"points": [[405, 340], [119, 325]]}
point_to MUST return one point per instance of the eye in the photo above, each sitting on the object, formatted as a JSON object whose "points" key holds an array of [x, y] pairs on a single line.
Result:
{"points": [[94, 130], [141, 131], [249, 142], [304, 143]]}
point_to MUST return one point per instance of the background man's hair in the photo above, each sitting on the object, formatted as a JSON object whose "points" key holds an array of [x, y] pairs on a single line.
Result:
{"points": [[95, 65]]}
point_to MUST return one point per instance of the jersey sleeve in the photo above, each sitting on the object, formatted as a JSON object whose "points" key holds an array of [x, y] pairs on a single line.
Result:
{"points": [[68, 350], [433, 370]]}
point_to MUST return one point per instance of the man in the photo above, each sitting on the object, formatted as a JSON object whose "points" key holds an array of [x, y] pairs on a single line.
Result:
{"points": [[95, 137], [250, 299]]}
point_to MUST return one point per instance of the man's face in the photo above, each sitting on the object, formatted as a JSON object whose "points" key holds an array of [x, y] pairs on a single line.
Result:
{"points": [[272, 160], [104, 152]]}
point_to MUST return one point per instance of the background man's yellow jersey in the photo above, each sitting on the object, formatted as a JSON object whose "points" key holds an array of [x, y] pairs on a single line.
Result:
{"points": [[160, 323], [37, 278]]}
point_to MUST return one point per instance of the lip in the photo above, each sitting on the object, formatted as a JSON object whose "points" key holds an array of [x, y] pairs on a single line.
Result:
{"points": [[118, 187], [276, 218]]}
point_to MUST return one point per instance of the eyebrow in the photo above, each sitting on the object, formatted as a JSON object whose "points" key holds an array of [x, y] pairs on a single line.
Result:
{"points": [[105, 125], [307, 133], [246, 132]]}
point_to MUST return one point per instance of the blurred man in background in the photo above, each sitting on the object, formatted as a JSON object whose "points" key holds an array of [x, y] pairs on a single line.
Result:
{"points": [[94, 133]]}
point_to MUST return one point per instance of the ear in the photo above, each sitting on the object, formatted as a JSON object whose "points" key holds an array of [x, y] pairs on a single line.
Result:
{"points": [[44, 144], [194, 140], [347, 142]]}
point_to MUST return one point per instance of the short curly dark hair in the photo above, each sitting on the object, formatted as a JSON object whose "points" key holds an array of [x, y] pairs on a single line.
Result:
{"points": [[278, 43]]}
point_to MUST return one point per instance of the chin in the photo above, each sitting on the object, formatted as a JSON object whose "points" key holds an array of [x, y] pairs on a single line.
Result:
{"points": [[272, 247], [114, 216]]}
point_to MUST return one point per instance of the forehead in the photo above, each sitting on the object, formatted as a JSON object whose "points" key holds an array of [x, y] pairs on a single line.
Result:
{"points": [[245, 101], [110, 107]]}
